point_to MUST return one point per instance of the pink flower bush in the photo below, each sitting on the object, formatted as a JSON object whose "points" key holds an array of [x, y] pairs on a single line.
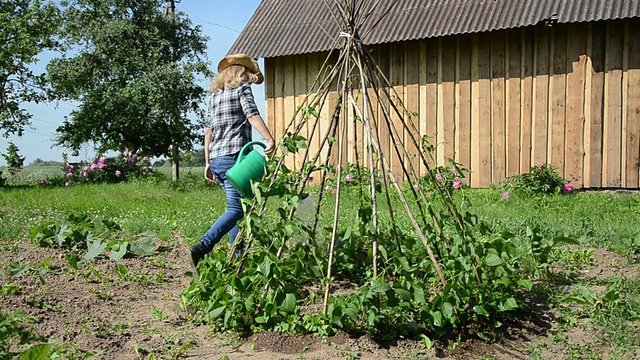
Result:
{"points": [[334, 191], [439, 177], [42, 182], [311, 178], [108, 169], [568, 187], [457, 184], [506, 196], [348, 178]]}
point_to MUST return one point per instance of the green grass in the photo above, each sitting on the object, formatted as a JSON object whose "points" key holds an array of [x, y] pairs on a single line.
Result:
{"points": [[598, 219], [159, 206]]}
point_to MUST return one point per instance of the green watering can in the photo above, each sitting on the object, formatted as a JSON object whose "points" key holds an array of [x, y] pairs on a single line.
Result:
{"points": [[249, 166]]}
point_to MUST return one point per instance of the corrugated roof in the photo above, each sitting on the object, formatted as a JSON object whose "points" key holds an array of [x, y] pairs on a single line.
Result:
{"points": [[290, 27]]}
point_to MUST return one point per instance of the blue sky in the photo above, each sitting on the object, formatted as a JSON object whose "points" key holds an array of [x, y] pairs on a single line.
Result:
{"points": [[221, 21]]}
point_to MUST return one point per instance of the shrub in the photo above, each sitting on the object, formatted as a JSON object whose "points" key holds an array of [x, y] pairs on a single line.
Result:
{"points": [[15, 162], [541, 180], [104, 170]]}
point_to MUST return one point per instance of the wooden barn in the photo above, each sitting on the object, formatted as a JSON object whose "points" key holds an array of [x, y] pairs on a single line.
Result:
{"points": [[499, 85]]}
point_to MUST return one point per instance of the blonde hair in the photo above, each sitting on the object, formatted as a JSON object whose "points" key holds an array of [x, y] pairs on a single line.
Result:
{"points": [[232, 77]]}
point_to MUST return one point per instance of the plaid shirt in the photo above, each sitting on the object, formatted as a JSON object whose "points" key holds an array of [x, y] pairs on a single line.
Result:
{"points": [[227, 114]]}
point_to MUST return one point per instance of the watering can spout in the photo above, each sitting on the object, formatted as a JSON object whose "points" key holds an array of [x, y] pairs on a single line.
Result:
{"points": [[249, 166]]}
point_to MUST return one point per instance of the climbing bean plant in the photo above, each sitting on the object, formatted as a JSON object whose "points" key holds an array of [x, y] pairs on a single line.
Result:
{"points": [[277, 283]]}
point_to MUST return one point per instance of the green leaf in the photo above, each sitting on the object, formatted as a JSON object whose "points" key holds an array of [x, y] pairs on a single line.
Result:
{"points": [[265, 267], [404, 294], [289, 303], [418, 293], [526, 283], [118, 254], [405, 264], [379, 286], [96, 248], [121, 270], [447, 312], [111, 225], [436, 317], [143, 247], [510, 304], [17, 269], [479, 309], [249, 303], [352, 311], [63, 233], [217, 311], [493, 260], [37, 352], [565, 240]]}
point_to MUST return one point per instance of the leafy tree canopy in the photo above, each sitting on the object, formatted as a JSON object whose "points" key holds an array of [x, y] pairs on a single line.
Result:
{"points": [[28, 28], [134, 71]]}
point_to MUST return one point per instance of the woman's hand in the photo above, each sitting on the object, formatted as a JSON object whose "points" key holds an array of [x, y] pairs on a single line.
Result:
{"points": [[271, 145], [208, 174]]}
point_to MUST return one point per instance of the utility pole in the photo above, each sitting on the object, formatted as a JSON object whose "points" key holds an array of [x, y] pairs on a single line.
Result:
{"points": [[170, 10]]}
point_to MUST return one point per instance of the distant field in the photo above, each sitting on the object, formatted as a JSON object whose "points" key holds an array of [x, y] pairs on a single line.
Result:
{"points": [[32, 174], [184, 171]]}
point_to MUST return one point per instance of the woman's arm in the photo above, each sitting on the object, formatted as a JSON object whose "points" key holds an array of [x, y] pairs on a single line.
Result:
{"points": [[257, 122], [207, 169]]}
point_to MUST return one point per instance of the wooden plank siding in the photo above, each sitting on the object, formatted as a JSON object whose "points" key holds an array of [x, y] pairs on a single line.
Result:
{"points": [[498, 103]]}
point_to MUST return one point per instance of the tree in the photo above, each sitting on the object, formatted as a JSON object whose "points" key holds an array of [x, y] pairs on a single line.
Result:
{"points": [[15, 162], [134, 74], [28, 28]]}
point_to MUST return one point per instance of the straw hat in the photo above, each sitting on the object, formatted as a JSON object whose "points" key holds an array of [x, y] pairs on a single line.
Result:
{"points": [[243, 60]]}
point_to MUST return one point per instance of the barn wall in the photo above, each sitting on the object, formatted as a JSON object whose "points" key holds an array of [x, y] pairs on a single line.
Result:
{"points": [[498, 103]]}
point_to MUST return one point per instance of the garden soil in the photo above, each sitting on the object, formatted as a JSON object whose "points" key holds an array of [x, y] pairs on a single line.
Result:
{"points": [[139, 316]]}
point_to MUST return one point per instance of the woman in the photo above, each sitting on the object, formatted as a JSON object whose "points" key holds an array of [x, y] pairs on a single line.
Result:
{"points": [[232, 113]]}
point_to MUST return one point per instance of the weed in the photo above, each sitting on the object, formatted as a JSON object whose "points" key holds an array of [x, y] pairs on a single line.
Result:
{"points": [[16, 329], [160, 314], [9, 288]]}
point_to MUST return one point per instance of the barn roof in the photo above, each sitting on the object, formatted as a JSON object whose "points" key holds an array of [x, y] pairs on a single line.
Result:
{"points": [[290, 27]]}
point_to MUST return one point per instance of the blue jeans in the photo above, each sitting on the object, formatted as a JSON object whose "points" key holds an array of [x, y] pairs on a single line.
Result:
{"points": [[227, 222]]}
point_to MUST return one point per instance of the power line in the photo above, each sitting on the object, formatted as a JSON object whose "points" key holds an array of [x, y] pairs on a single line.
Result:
{"points": [[44, 121], [41, 134], [206, 22]]}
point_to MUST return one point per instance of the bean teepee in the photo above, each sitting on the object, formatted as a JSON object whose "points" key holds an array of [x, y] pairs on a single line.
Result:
{"points": [[351, 74]]}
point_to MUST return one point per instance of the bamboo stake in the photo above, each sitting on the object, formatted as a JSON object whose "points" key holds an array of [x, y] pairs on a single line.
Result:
{"points": [[336, 217]]}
